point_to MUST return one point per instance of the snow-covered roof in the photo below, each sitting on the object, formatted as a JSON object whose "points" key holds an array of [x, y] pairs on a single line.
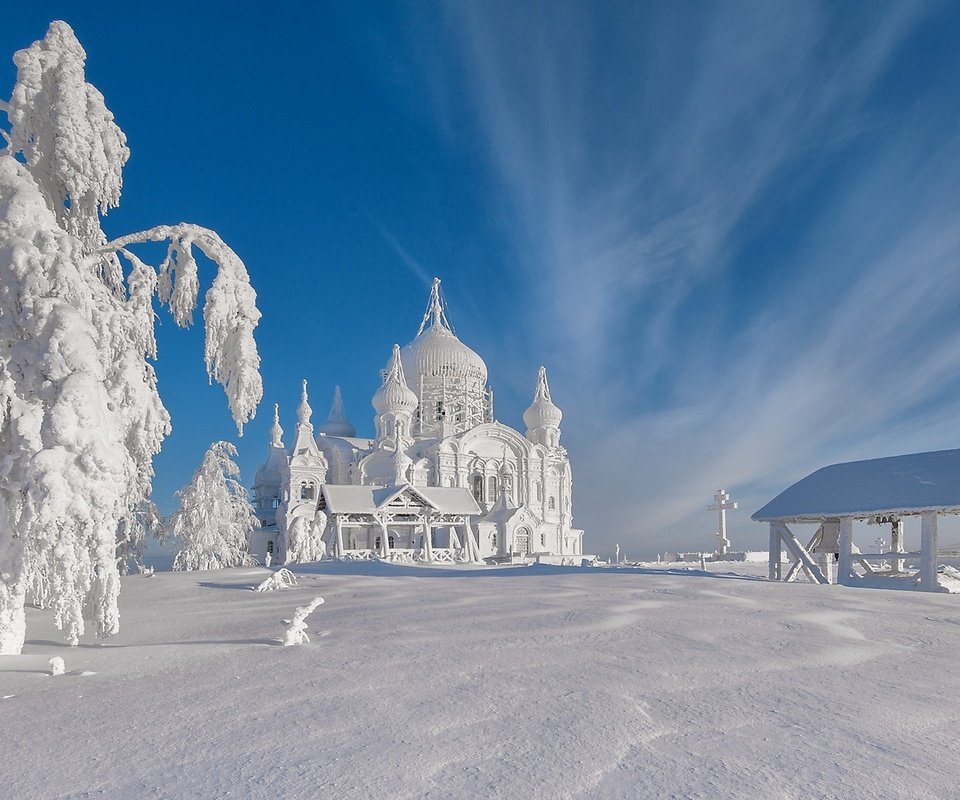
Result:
{"points": [[900, 485], [368, 499]]}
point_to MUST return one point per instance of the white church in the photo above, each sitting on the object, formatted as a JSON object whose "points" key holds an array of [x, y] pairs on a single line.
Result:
{"points": [[441, 480]]}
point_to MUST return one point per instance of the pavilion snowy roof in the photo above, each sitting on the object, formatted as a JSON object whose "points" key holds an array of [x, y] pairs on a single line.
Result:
{"points": [[367, 499], [906, 484]]}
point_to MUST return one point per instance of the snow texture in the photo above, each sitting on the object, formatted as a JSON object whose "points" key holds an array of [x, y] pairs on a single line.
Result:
{"points": [[458, 682], [80, 415], [896, 484], [215, 517]]}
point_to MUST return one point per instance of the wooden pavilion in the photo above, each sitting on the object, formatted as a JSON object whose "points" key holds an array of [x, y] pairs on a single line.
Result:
{"points": [[883, 491]]}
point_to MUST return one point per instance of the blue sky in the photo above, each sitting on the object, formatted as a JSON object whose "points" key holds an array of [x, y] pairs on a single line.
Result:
{"points": [[730, 231]]}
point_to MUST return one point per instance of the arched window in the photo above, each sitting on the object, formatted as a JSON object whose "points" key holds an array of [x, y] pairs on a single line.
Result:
{"points": [[538, 490], [552, 503], [391, 541], [478, 488], [492, 487], [543, 540], [308, 490]]}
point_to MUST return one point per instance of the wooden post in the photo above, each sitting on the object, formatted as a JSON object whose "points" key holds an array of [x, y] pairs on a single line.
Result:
{"points": [[339, 526], [896, 543], [845, 565], [774, 554], [928, 548], [384, 541], [427, 539]]}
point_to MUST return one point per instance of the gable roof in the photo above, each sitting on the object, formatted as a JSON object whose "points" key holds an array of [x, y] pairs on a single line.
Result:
{"points": [[368, 499], [898, 485]]}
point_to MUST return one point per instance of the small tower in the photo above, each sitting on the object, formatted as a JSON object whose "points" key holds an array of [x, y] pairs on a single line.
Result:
{"points": [[267, 485], [306, 468], [395, 405], [542, 418], [337, 423]]}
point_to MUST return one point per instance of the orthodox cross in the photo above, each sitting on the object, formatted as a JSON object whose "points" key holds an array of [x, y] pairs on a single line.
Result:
{"points": [[723, 503]]}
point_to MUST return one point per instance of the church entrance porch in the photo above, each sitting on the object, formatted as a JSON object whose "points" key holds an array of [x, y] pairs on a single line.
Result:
{"points": [[401, 523]]}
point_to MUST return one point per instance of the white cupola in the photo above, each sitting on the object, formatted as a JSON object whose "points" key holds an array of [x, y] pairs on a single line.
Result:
{"points": [[542, 418], [447, 376], [337, 423], [394, 402]]}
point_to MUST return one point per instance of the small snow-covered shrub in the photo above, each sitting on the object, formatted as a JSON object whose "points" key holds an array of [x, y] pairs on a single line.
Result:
{"points": [[57, 666], [296, 632], [281, 579]]}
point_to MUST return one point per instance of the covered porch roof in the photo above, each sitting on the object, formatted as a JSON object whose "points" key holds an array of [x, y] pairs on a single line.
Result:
{"points": [[370, 499], [894, 486]]}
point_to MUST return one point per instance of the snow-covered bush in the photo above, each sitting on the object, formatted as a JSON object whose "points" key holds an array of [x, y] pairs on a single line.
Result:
{"points": [[281, 579], [296, 632], [80, 416], [215, 517], [303, 539]]}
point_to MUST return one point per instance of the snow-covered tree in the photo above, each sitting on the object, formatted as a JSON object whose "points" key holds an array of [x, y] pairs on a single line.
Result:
{"points": [[303, 539], [140, 523], [80, 416], [215, 517]]}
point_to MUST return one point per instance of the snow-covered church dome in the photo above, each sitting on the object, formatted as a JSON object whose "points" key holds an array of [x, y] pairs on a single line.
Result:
{"points": [[436, 352]]}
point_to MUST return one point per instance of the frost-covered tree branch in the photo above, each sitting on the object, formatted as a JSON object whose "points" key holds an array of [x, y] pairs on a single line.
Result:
{"points": [[230, 313]]}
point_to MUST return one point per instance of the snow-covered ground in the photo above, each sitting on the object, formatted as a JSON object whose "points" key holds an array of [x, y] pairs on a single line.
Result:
{"points": [[532, 682]]}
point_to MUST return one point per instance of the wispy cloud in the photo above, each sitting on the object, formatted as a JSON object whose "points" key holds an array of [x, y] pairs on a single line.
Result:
{"points": [[644, 156]]}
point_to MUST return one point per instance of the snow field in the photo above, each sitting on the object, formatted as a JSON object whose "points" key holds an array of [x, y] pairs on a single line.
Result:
{"points": [[492, 683]]}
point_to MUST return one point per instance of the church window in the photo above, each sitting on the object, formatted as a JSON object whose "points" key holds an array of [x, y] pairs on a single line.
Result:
{"points": [[492, 486], [538, 490], [478, 488], [270, 546], [552, 503], [543, 540], [377, 543], [391, 541], [308, 490]]}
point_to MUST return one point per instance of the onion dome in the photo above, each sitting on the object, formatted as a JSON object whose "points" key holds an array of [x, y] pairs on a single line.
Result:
{"points": [[436, 352], [542, 413], [337, 423], [276, 432], [394, 396], [304, 412]]}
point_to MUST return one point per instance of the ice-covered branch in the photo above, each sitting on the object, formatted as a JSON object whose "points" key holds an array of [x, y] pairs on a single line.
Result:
{"points": [[230, 312]]}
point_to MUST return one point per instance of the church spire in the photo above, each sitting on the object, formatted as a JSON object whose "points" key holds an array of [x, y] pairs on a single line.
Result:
{"points": [[304, 411], [276, 432], [543, 388], [337, 423], [435, 316]]}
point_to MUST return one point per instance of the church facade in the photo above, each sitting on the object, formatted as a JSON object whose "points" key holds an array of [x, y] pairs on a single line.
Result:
{"points": [[441, 479]]}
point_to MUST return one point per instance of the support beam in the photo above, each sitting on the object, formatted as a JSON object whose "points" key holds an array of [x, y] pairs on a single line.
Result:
{"points": [[339, 544], [845, 565], [799, 552], [773, 554], [928, 546], [896, 543]]}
